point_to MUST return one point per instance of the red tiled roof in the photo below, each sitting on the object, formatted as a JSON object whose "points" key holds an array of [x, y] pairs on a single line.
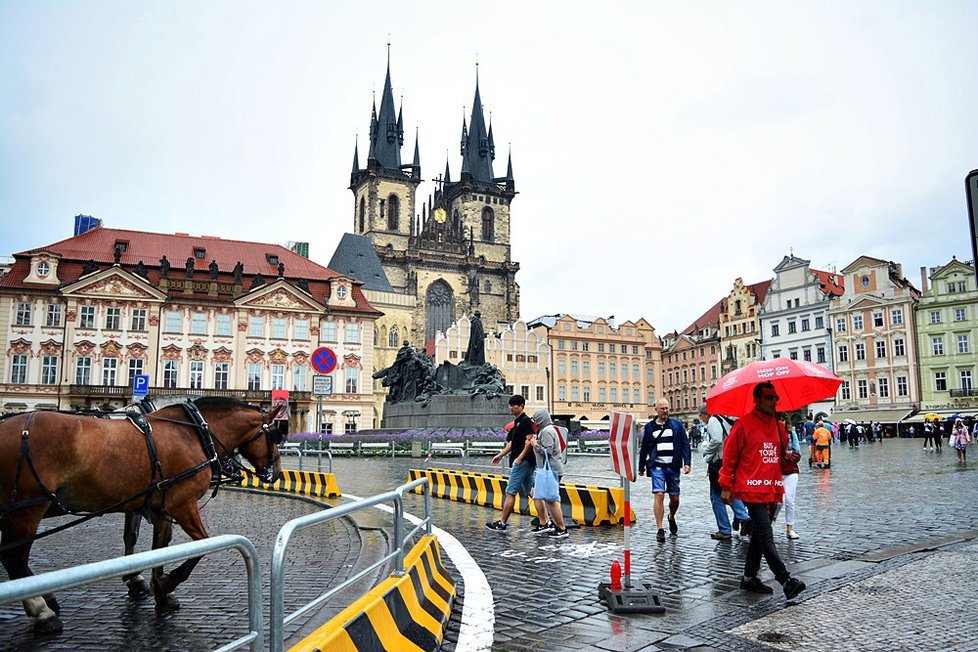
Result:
{"points": [[98, 245], [711, 316], [759, 290], [832, 284]]}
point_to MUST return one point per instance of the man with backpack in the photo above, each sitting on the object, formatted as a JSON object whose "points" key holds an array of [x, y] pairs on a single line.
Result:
{"points": [[717, 428]]}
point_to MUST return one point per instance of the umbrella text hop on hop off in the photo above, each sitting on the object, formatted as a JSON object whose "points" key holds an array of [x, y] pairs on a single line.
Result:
{"points": [[797, 382]]}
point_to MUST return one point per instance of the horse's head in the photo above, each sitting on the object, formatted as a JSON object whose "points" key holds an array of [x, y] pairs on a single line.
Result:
{"points": [[253, 432]]}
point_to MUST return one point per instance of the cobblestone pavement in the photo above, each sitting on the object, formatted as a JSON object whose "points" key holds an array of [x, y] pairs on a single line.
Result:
{"points": [[870, 528], [886, 552], [214, 600]]}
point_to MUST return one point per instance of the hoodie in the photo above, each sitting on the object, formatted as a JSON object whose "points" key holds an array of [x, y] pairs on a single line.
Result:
{"points": [[547, 441]]}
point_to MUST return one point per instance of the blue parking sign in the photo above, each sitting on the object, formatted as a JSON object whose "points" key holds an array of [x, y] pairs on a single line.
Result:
{"points": [[140, 385]]}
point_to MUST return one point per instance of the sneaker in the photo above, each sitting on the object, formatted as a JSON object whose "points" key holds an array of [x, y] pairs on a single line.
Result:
{"points": [[746, 527], [557, 533], [755, 585], [792, 587], [720, 536], [540, 529], [660, 535], [498, 526], [792, 535], [736, 524], [673, 527]]}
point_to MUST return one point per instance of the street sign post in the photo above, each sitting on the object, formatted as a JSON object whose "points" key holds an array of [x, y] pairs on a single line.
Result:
{"points": [[140, 386], [626, 598]]}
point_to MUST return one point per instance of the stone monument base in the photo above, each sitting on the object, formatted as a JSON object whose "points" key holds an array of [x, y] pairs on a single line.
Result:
{"points": [[448, 411]]}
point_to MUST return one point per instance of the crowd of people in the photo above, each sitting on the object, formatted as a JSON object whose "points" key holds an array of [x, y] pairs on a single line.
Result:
{"points": [[751, 466]]}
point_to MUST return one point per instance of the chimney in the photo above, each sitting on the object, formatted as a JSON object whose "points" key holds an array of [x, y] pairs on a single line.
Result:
{"points": [[923, 280]]}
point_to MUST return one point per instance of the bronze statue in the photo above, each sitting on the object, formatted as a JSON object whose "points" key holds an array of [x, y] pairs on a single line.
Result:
{"points": [[164, 267], [213, 269], [475, 354]]}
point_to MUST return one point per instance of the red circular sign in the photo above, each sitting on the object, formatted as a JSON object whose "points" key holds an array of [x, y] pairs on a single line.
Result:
{"points": [[323, 360]]}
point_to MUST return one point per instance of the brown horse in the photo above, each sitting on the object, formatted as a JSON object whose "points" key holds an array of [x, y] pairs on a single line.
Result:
{"points": [[52, 463]]}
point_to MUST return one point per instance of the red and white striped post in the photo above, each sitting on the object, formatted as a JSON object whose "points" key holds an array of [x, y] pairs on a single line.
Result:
{"points": [[622, 444]]}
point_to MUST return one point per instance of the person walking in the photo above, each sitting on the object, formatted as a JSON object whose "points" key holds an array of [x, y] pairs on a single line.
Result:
{"points": [[928, 434], [522, 462], [789, 476], [665, 450], [822, 439], [717, 427], [546, 448], [751, 471], [961, 440]]}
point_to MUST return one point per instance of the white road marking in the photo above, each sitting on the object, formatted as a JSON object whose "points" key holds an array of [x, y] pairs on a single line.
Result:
{"points": [[478, 617]]}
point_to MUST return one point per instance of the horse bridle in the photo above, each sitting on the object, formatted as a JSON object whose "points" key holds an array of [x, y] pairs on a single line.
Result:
{"points": [[273, 434]]}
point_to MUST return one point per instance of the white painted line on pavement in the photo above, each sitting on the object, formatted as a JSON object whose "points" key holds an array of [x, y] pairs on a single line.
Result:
{"points": [[478, 617]]}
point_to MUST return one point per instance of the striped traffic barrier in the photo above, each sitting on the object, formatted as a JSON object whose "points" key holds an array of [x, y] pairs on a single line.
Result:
{"points": [[409, 612], [307, 483], [586, 504]]}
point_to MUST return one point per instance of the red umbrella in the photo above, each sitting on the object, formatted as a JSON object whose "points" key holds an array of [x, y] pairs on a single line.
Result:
{"points": [[797, 383]]}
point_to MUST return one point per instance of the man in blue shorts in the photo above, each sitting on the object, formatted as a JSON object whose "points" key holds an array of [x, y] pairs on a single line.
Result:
{"points": [[522, 461], [665, 450]]}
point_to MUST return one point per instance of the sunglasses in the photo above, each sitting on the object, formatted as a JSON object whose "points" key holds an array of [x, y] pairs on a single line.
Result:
{"points": [[771, 397]]}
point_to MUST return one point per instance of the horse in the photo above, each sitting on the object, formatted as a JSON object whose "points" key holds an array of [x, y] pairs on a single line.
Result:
{"points": [[53, 463]]}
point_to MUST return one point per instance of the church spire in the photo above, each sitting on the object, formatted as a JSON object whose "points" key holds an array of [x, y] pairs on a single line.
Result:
{"points": [[416, 164], [387, 127], [477, 147]]}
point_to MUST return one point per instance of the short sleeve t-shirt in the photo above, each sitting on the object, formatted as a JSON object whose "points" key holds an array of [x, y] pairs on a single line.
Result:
{"points": [[522, 428]]}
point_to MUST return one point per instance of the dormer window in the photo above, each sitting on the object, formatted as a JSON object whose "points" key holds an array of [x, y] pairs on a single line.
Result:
{"points": [[43, 269], [121, 246], [199, 253], [271, 259], [341, 292]]}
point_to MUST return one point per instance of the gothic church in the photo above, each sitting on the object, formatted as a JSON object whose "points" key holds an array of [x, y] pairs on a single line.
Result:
{"points": [[451, 254]]}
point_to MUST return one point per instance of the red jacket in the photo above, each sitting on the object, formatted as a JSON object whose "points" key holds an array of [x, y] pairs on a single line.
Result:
{"points": [[752, 456]]}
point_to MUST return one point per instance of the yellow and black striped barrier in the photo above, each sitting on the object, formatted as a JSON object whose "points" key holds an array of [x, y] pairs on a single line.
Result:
{"points": [[401, 613], [588, 504], [307, 483]]}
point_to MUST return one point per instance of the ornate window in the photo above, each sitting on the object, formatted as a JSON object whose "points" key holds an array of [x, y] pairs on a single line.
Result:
{"points": [[392, 337], [488, 225], [363, 215], [439, 308]]}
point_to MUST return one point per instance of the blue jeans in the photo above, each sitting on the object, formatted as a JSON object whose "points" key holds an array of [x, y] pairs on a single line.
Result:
{"points": [[720, 511]]}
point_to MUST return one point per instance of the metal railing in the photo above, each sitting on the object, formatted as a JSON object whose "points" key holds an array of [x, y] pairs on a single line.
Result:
{"points": [[68, 578], [277, 616]]}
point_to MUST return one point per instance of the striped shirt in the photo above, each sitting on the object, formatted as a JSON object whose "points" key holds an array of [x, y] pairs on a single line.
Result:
{"points": [[662, 443]]}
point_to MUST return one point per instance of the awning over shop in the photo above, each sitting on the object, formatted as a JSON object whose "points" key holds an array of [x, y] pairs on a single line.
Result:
{"points": [[944, 414], [883, 416]]}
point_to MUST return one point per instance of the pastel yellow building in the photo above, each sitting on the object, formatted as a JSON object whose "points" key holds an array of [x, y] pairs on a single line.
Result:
{"points": [[599, 367], [521, 355]]}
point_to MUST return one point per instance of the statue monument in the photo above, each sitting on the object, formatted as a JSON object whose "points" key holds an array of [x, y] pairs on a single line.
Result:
{"points": [[465, 395]]}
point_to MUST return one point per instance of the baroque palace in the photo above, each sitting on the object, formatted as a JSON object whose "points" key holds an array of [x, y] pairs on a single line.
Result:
{"points": [[82, 317]]}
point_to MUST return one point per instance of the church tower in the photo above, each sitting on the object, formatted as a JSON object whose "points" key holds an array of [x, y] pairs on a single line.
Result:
{"points": [[452, 256], [385, 190]]}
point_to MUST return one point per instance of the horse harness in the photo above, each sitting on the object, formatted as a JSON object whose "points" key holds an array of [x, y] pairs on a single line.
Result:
{"points": [[223, 469]]}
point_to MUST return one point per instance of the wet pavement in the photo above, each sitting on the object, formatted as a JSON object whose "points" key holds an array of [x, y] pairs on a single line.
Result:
{"points": [[874, 513], [214, 601], [886, 549]]}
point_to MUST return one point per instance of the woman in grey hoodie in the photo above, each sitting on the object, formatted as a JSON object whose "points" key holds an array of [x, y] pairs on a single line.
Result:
{"points": [[545, 441]]}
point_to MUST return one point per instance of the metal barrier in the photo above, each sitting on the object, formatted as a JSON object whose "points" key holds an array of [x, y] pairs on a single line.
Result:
{"points": [[278, 618], [69, 578]]}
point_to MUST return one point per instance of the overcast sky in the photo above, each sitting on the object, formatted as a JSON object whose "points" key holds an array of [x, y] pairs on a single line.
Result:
{"points": [[660, 150]]}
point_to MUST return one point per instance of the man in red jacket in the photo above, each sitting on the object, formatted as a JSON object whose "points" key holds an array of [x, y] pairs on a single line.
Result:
{"points": [[751, 472]]}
